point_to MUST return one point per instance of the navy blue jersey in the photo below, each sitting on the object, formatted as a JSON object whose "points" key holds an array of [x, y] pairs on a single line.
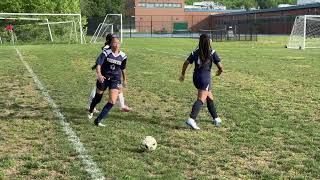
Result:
{"points": [[195, 57], [112, 65]]}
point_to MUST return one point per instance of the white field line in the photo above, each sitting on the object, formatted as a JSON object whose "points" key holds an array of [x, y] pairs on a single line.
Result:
{"points": [[90, 165]]}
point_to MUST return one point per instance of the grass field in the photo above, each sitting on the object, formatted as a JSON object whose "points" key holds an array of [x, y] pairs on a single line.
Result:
{"points": [[268, 99]]}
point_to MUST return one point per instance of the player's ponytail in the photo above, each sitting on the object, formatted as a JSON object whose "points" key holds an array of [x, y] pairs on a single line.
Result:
{"points": [[204, 49], [108, 40], [94, 66]]}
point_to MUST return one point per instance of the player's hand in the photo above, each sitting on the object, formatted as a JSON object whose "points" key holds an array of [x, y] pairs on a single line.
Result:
{"points": [[101, 79], [181, 79], [219, 72]]}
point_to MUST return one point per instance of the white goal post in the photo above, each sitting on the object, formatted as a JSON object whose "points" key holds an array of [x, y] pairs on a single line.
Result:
{"points": [[73, 28], [101, 31], [28, 19], [305, 32], [101, 28], [45, 16]]}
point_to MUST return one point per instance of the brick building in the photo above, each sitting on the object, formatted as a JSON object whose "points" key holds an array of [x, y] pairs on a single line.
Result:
{"points": [[265, 21], [169, 16]]}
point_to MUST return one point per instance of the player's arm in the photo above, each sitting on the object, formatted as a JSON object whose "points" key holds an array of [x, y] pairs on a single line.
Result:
{"points": [[123, 70], [99, 62], [124, 77], [220, 69], [217, 62], [183, 72], [101, 78]]}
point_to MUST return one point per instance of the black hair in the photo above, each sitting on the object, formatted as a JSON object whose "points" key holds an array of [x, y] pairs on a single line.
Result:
{"points": [[108, 40], [204, 49]]}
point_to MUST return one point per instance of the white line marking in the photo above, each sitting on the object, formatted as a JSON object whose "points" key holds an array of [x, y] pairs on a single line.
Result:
{"points": [[90, 165]]}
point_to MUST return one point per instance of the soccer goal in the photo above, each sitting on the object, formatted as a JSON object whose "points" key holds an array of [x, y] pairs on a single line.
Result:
{"points": [[305, 32], [112, 23], [101, 32], [41, 28], [68, 31]]}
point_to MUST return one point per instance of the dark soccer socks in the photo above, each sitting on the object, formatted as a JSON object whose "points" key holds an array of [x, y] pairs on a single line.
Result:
{"points": [[211, 108], [196, 109], [103, 113], [97, 98]]}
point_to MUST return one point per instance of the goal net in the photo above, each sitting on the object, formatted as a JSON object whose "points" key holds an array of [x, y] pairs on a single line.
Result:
{"points": [[112, 23], [305, 32], [101, 32], [31, 28]]}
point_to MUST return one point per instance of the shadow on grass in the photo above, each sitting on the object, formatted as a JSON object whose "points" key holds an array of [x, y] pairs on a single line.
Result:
{"points": [[79, 116]]}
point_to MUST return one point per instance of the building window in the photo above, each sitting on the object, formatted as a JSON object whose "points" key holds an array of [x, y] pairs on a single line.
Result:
{"points": [[159, 5]]}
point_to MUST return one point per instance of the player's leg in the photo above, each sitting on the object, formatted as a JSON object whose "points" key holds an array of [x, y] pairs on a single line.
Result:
{"points": [[202, 83], [92, 94], [123, 107], [101, 87], [113, 96], [212, 110]]}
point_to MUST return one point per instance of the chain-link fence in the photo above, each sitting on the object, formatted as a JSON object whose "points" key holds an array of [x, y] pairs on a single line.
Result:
{"points": [[221, 27]]}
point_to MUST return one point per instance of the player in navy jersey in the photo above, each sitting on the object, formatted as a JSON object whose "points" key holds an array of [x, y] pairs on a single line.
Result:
{"points": [[110, 68], [123, 107], [203, 58]]}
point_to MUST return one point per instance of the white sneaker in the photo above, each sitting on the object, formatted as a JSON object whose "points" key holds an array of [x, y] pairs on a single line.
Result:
{"points": [[217, 121], [90, 115], [190, 122], [95, 110], [101, 125]]}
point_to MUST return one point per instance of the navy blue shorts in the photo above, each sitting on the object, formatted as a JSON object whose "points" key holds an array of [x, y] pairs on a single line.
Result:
{"points": [[202, 81], [111, 84]]}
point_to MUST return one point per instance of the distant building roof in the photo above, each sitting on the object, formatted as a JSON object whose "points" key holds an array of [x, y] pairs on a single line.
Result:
{"points": [[206, 5], [302, 2], [316, 5], [285, 5], [213, 10]]}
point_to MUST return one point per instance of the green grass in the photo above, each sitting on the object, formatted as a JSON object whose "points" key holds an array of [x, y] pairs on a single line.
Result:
{"points": [[268, 99]]}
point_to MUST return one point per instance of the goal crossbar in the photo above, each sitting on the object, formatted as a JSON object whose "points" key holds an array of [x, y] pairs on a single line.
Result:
{"points": [[82, 39]]}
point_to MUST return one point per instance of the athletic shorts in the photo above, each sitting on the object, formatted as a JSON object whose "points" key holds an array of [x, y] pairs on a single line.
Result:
{"points": [[202, 81], [111, 84]]}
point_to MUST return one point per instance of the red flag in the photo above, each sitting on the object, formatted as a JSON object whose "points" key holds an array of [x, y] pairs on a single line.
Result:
{"points": [[9, 27]]}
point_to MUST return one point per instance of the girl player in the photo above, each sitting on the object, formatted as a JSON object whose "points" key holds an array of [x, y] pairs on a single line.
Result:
{"points": [[203, 57], [110, 67], [123, 107]]}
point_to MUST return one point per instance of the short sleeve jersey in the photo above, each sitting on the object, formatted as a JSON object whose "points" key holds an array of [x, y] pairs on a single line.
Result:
{"points": [[195, 58], [111, 64]]}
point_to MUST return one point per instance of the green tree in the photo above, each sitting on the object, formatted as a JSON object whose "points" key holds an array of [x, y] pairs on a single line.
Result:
{"points": [[40, 6], [102, 7]]}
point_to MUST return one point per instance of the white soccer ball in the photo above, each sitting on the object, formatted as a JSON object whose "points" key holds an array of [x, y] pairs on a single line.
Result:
{"points": [[149, 143]]}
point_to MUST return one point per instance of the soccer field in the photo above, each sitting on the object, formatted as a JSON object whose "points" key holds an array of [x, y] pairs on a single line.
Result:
{"points": [[268, 99]]}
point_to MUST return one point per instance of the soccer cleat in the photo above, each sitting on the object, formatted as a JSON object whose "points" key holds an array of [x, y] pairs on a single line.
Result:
{"points": [[126, 109], [190, 122], [100, 124], [95, 110], [90, 115], [217, 122]]}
